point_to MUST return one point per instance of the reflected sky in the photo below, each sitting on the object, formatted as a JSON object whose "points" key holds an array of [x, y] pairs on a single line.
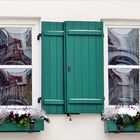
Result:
{"points": [[15, 70], [17, 30], [123, 46], [122, 30], [123, 70]]}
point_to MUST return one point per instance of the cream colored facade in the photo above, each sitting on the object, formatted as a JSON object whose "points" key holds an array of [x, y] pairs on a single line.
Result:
{"points": [[85, 126]]}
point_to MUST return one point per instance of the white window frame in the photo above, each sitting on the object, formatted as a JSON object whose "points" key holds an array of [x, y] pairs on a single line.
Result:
{"points": [[117, 23], [34, 23]]}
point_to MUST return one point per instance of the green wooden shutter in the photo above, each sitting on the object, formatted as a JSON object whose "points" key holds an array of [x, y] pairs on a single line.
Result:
{"points": [[52, 67], [72, 67], [84, 54]]}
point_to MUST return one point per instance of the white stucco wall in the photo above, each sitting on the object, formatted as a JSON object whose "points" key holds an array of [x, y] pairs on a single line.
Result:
{"points": [[85, 126]]}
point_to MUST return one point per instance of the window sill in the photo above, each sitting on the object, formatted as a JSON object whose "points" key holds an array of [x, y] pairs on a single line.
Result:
{"points": [[10, 127], [111, 127]]}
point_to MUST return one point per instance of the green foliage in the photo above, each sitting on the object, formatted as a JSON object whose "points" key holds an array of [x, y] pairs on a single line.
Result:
{"points": [[137, 120], [124, 120], [20, 120]]}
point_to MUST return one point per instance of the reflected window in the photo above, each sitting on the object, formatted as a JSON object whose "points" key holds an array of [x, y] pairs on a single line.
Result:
{"points": [[123, 46]]}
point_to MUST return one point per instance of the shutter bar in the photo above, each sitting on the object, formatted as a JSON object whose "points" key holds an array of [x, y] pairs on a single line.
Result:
{"points": [[53, 102], [53, 33], [85, 32], [85, 101]]}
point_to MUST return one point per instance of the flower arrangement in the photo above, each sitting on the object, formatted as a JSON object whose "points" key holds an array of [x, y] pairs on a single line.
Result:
{"points": [[21, 117], [123, 116]]}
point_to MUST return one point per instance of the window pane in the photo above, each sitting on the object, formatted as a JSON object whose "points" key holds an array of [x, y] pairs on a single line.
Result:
{"points": [[123, 86], [123, 46], [15, 46], [15, 86]]}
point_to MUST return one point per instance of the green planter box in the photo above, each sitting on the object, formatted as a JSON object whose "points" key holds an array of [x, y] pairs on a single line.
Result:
{"points": [[110, 126], [10, 127]]}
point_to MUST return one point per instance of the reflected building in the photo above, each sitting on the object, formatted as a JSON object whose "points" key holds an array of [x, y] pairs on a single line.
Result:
{"points": [[15, 89], [123, 87], [123, 46], [14, 49], [132, 40], [134, 84]]}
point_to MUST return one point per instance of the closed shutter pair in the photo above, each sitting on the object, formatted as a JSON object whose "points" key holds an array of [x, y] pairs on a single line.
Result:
{"points": [[72, 67]]}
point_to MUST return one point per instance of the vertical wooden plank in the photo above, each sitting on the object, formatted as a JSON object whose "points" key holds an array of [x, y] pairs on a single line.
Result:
{"points": [[77, 66], [85, 67], [70, 66], [92, 65], [45, 65], [59, 70], [52, 67], [100, 76]]}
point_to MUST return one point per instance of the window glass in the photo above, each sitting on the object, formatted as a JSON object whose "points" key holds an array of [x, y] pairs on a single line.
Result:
{"points": [[15, 50], [123, 46], [123, 66], [123, 86]]}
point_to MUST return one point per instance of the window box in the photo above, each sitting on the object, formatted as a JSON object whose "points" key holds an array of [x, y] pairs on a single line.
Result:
{"points": [[11, 127], [22, 120], [110, 126], [123, 119]]}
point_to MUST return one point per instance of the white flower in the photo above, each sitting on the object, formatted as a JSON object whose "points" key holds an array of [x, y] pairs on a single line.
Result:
{"points": [[111, 113], [131, 111]]}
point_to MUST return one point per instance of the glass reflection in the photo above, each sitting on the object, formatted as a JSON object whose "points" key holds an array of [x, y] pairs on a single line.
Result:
{"points": [[123, 86], [15, 46], [15, 86], [123, 44]]}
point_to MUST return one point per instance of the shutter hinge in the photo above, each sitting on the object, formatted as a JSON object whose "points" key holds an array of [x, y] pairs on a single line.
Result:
{"points": [[39, 36], [39, 99], [102, 117]]}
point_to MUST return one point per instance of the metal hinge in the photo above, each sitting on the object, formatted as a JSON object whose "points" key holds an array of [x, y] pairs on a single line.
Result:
{"points": [[39, 36], [39, 99]]}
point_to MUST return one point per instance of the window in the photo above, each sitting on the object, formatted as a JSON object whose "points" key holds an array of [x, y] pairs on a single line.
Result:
{"points": [[16, 46], [20, 63], [122, 61], [20, 72]]}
